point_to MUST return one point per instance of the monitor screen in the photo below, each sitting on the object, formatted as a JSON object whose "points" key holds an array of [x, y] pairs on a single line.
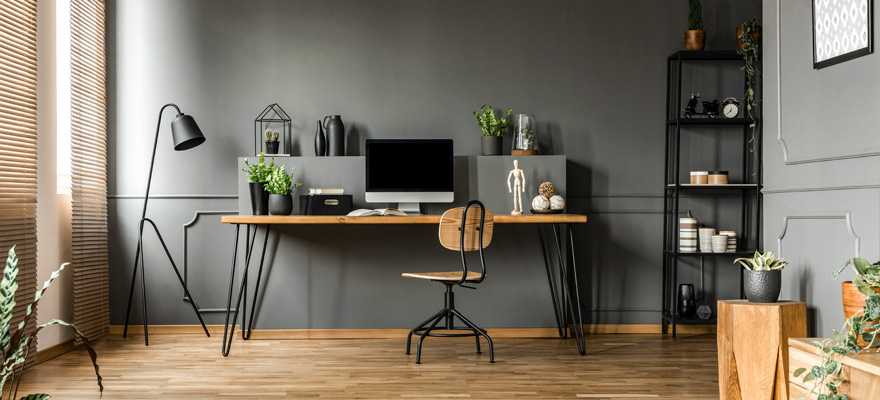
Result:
{"points": [[409, 165]]}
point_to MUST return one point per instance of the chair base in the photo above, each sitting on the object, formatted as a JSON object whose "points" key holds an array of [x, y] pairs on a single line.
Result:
{"points": [[447, 315]]}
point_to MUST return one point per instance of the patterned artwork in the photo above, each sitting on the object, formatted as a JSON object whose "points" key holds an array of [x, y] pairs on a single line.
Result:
{"points": [[841, 30]]}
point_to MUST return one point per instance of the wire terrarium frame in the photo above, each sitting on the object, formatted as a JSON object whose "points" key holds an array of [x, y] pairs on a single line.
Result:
{"points": [[272, 116]]}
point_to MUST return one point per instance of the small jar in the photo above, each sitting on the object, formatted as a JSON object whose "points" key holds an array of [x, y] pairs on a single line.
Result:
{"points": [[699, 177], [718, 178]]}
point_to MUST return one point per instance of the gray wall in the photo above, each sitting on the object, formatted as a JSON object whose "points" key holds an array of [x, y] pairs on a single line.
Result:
{"points": [[591, 71], [820, 160]]}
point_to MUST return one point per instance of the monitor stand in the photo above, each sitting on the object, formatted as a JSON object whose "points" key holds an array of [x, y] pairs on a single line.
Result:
{"points": [[410, 208]]}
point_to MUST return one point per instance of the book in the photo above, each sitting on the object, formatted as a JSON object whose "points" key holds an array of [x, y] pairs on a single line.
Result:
{"points": [[314, 191], [364, 212]]}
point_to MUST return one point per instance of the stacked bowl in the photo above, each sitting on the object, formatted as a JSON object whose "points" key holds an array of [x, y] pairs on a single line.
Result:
{"points": [[687, 235]]}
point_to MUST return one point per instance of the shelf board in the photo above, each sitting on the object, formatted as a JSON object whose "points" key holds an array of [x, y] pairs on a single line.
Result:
{"points": [[729, 186], [690, 321], [720, 121], [706, 55], [738, 253]]}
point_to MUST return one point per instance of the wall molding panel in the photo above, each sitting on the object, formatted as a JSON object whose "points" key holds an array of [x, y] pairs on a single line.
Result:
{"points": [[846, 218], [786, 153]]}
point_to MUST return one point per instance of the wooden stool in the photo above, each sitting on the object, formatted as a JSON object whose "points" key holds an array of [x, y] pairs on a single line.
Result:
{"points": [[753, 347]]}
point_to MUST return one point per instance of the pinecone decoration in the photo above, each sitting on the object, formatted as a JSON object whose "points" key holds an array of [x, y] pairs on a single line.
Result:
{"points": [[547, 189]]}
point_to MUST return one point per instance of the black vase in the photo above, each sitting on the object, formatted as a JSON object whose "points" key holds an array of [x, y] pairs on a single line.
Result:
{"points": [[687, 300], [272, 147], [335, 135], [259, 199], [280, 204], [763, 286], [320, 141]]}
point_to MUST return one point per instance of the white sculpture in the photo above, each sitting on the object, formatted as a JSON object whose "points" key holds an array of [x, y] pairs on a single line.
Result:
{"points": [[557, 202], [540, 203], [519, 186]]}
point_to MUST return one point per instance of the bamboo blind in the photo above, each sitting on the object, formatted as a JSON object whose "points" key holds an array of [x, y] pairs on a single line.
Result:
{"points": [[88, 138], [18, 145]]}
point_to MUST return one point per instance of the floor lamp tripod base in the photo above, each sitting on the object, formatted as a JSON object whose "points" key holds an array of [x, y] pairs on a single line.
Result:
{"points": [[139, 261]]}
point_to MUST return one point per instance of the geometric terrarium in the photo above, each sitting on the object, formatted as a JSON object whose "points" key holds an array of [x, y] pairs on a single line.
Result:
{"points": [[272, 131]]}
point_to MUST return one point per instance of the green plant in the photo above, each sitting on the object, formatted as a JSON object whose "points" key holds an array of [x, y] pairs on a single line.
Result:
{"points": [[271, 136], [259, 172], [827, 377], [280, 182], [490, 123], [15, 344], [695, 14], [750, 50], [762, 262]]}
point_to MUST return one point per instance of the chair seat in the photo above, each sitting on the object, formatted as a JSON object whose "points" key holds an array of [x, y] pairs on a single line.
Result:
{"points": [[452, 276]]}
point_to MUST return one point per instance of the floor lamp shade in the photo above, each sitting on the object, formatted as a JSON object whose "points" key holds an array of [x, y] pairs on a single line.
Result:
{"points": [[186, 133]]}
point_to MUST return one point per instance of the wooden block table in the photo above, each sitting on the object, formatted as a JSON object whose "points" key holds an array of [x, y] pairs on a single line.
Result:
{"points": [[861, 373], [753, 347]]}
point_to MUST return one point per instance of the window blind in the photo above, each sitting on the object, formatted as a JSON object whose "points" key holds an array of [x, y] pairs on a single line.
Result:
{"points": [[88, 139], [18, 146]]}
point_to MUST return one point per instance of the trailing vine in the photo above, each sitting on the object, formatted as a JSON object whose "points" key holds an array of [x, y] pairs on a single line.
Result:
{"points": [[860, 333]]}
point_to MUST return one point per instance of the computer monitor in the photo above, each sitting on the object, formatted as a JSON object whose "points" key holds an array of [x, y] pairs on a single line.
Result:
{"points": [[409, 172]]}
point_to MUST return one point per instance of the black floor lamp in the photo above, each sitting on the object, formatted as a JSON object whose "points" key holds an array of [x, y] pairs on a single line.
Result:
{"points": [[186, 135]]}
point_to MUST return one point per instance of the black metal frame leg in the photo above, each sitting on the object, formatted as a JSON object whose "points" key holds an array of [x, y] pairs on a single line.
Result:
{"points": [[241, 302], [246, 331], [575, 324], [552, 283]]}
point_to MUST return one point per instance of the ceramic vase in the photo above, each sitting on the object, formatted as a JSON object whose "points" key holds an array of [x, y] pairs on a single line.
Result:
{"points": [[491, 145], [259, 199], [320, 141], [687, 300]]}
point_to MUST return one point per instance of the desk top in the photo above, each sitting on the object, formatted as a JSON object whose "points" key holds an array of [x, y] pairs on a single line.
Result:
{"points": [[394, 220]]}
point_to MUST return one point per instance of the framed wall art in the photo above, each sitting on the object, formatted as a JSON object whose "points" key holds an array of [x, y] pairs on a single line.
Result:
{"points": [[842, 30]]}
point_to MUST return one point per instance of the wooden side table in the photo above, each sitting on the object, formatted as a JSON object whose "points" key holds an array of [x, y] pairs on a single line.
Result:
{"points": [[861, 372], [753, 347]]}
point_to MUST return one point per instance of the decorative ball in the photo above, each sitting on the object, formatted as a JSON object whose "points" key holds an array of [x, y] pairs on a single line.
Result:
{"points": [[540, 203], [547, 189], [557, 202]]}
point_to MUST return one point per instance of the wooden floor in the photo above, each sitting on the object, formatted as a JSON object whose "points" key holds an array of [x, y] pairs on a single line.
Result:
{"points": [[190, 367]]}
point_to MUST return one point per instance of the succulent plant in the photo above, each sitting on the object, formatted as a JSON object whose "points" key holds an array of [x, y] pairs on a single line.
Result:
{"points": [[762, 262]]}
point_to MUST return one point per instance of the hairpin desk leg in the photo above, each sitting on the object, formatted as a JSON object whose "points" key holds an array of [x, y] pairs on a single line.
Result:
{"points": [[579, 323], [246, 333], [224, 349], [552, 283]]}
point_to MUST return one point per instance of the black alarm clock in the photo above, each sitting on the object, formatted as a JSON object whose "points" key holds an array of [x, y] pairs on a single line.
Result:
{"points": [[730, 108]]}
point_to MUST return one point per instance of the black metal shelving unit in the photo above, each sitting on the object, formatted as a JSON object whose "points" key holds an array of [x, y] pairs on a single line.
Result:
{"points": [[674, 189]]}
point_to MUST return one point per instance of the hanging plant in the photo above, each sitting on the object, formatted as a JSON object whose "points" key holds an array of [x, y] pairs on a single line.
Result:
{"points": [[750, 50]]}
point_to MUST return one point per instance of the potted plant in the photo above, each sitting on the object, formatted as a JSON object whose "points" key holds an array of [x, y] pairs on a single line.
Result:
{"points": [[279, 186], [695, 37], [763, 279], [859, 333], [271, 141], [14, 341], [258, 175], [493, 127]]}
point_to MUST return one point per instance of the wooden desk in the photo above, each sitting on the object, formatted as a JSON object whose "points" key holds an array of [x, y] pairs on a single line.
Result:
{"points": [[564, 282]]}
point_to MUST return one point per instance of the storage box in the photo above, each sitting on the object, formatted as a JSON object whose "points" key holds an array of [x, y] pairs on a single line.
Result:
{"points": [[325, 204]]}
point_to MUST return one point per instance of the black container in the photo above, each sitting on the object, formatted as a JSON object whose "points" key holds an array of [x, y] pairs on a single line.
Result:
{"points": [[320, 141], [325, 204], [335, 131], [280, 204], [259, 199], [491, 145], [687, 300], [763, 286], [272, 147]]}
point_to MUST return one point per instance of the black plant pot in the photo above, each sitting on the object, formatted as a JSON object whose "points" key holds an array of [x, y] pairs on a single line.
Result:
{"points": [[491, 145], [687, 300], [259, 199], [763, 286], [280, 204], [272, 147]]}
